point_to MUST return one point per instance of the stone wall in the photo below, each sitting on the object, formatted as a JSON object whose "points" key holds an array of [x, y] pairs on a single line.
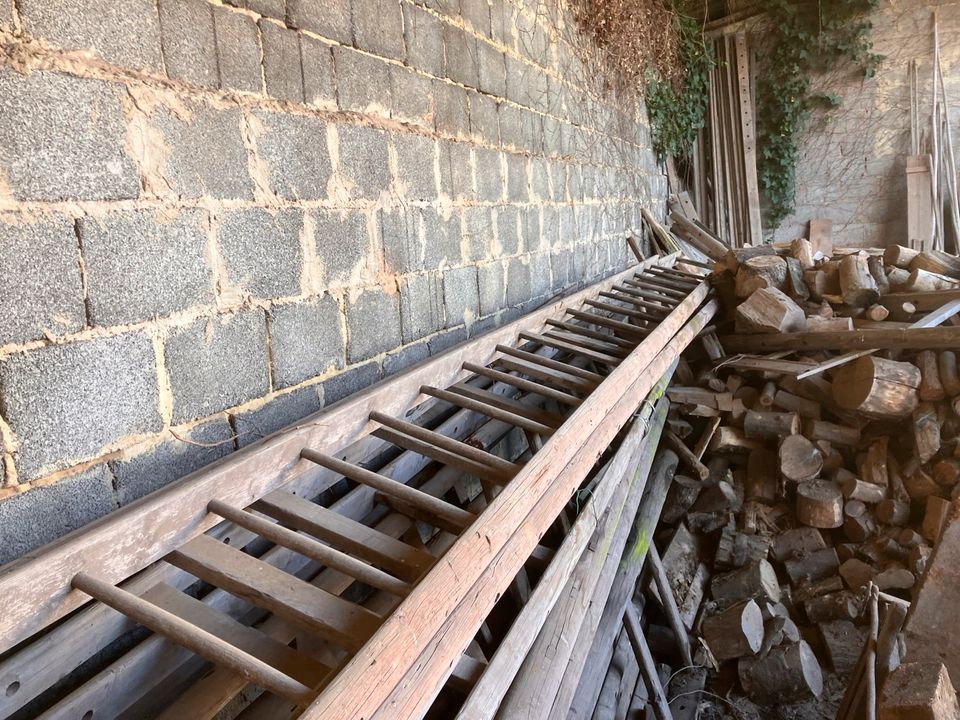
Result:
{"points": [[218, 218], [852, 166]]}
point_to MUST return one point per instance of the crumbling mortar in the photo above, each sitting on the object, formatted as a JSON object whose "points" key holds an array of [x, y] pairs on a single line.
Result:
{"points": [[82, 265]]}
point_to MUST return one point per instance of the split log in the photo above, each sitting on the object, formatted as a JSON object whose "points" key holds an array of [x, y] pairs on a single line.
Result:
{"points": [[931, 389], [757, 273], [947, 368], [909, 538], [683, 493], [796, 285], [789, 673], [874, 468], [946, 472], [926, 431], [756, 581], [794, 403], [807, 589], [921, 281], [732, 440], [938, 263], [893, 512], [842, 641], [799, 459], [875, 264], [858, 527], [894, 578], [820, 232], [899, 256], [768, 310], [762, 475], [813, 566], [734, 632], [836, 434], [801, 250], [820, 504], [841, 605], [770, 424], [854, 489], [877, 388], [898, 278], [857, 285], [797, 542], [856, 573], [935, 517], [920, 485], [918, 558], [816, 323]]}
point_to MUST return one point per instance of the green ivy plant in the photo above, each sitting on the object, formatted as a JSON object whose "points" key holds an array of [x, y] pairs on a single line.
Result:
{"points": [[678, 111], [808, 38]]}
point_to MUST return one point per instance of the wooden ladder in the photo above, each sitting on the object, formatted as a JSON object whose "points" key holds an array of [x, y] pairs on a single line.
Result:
{"points": [[292, 589]]}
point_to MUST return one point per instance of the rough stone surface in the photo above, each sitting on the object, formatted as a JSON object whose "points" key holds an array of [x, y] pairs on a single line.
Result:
{"points": [[40, 285], [238, 51], [461, 295], [442, 241], [217, 363], [461, 63], [295, 150], [67, 403], [490, 278], [452, 111], [364, 160], [405, 357], [189, 45], [484, 122], [400, 234], [126, 32], [423, 33], [329, 18], [343, 244], [281, 62], [378, 27], [305, 340], [350, 381], [412, 97], [262, 251], [140, 265], [363, 82], [76, 146], [489, 175], [141, 474], [421, 306], [415, 162], [508, 230], [43, 514], [319, 85], [373, 324], [277, 413], [205, 153]]}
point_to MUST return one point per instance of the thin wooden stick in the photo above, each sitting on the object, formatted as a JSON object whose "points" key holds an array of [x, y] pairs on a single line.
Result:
{"points": [[669, 602], [648, 668]]}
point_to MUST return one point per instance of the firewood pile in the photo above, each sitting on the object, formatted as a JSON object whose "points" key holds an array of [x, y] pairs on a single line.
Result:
{"points": [[817, 471]]}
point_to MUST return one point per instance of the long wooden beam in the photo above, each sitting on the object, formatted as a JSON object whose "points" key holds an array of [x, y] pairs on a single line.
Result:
{"points": [[399, 671], [900, 338], [169, 517]]}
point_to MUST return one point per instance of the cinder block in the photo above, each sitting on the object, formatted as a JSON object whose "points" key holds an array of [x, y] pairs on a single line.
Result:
{"points": [[217, 363], [508, 229], [477, 241], [423, 33], [490, 278], [484, 120], [267, 8], [238, 51], [405, 357], [561, 267], [461, 59], [6, 19], [189, 44], [574, 183], [517, 189], [519, 288], [540, 281], [40, 285], [520, 128], [76, 146], [343, 244], [412, 97], [493, 70], [319, 86], [350, 381], [141, 265], [294, 148], [489, 175], [125, 32], [533, 228], [460, 164], [329, 18], [378, 27], [373, 324], [441, 239], [421, 306], [539, 179], [68, 403], [416, 156], [281, 62], [305, 340], [502, 25], [276, 414], [558, 182], [461, 295], [363, 82], [403, 249], [477, 13], [43, 514], [262, 251], [364, 160], [150, 470], [447, 339], [452, 111]]}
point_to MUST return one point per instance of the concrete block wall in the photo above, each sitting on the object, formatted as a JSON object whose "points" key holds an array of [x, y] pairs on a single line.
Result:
{"points": [[852, 166], [219, 217]]}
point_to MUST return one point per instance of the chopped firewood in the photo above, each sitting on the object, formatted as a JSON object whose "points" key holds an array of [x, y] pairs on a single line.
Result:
{"points": [[799, 459], [841, 605], [930, 386], [734, 632], [857, 285], [788, 673], [947, 367], [770, 424], [757, 581], [757, 273], [820, 504], [842, 641], [813, 566], [919, 691], [877, 388], [797, 543], [934, 517], [768, 310]]}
